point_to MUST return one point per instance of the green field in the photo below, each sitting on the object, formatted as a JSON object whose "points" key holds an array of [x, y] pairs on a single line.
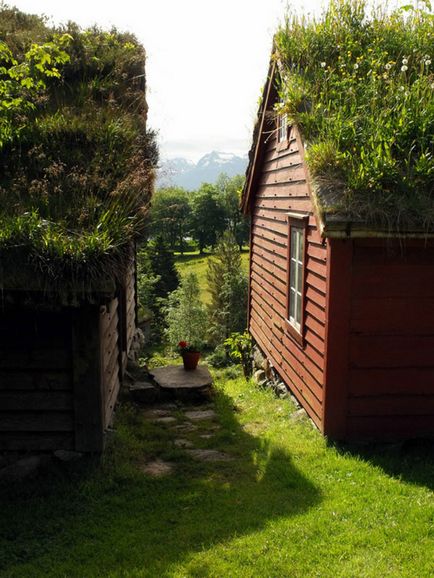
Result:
{"points": [[195, 263], [288, 505]]}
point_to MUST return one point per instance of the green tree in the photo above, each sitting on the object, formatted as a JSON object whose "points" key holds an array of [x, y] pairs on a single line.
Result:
{"points": [[163, 264], [186, 314], [228, 285], [230, 190], [170, 216], [157, 277], [208, 216]]}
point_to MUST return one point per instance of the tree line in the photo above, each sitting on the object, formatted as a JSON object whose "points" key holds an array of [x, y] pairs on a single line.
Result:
{"points": [[177, 215]]}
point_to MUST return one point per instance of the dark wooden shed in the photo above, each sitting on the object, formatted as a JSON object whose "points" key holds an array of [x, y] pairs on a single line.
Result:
{"points": [[61, 366], [76, 178], [343, 311]]}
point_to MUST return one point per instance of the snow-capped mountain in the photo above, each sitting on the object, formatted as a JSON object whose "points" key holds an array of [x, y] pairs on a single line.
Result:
{"points": [[183, 173]]}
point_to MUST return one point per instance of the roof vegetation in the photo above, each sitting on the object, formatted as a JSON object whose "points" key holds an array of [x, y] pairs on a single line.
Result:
{"points": [[359, 82], [76, 160]]}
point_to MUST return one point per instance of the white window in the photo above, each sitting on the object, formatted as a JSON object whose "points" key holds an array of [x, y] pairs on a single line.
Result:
{"points": [[296, 264], [282, 121]]}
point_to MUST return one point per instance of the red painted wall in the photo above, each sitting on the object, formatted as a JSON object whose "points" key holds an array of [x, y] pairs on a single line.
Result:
{"points": [[391, 340], [282, 188]]}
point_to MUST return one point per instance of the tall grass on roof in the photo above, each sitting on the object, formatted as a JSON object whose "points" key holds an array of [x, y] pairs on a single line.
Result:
{"points": [[77, 170], [360, 84]]}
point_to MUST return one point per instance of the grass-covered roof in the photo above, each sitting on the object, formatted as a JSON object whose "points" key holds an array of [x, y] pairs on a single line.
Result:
{"points": [[76, 160], [359, 83]]}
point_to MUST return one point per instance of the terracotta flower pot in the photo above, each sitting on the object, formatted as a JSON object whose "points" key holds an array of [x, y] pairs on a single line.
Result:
{"points": [[190, 359]]}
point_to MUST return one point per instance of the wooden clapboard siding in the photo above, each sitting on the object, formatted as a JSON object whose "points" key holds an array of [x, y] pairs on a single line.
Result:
{"points": [[36, 399], [391, 373], [282, 188], [110, 358], [127, 311], [130, 290]]}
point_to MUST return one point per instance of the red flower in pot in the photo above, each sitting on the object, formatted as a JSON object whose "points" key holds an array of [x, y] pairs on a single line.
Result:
{"points": [[190, 355]]}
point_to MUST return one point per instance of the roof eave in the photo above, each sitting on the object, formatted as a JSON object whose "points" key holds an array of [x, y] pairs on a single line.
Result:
{"points": [[351, 230]]}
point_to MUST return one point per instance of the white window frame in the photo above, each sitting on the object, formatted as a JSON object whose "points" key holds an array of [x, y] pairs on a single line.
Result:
{"points": [[282, 128], [297, 244], [296, 266]]}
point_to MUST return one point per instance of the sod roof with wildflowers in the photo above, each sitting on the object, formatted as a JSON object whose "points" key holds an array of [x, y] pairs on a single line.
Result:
{"points": [[359, 83], [76, 160]]}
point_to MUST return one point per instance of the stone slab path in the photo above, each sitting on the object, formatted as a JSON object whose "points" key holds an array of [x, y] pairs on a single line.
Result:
{"points": [[194, 429]]}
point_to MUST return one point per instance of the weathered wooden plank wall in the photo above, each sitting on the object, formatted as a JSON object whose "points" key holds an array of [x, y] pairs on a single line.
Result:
{"points": [[110, 358], [282, 188], [36, 402], [131, 305]]}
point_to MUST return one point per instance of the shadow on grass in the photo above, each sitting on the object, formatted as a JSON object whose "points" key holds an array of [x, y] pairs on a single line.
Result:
{"points": [[113, 520], [411, 461]]}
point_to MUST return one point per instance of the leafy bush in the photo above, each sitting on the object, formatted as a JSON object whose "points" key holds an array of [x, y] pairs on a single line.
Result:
{"points": [[219, 357], [186, 315], [360, 85], [239, 348]]}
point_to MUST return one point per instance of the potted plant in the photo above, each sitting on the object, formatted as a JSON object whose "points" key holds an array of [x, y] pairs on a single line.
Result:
{"points": [[190, 354]]}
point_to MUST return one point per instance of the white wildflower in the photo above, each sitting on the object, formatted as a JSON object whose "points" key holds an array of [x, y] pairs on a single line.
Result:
{"points": [[427, 62], [401, 88], [356, 66], [404, 68], [323, 64], [388, 66], [404, 61]]}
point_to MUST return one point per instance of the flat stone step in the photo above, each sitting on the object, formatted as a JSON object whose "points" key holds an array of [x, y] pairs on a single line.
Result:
{"points": [[198, 414], [209, 455], [184, 384], [157, 468]]}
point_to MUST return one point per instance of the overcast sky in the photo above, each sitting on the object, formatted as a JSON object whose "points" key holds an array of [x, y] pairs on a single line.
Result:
{"points": [[207, 61]]}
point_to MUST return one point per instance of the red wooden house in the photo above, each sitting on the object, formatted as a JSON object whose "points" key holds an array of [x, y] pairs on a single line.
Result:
{"points": [[343, 311]]}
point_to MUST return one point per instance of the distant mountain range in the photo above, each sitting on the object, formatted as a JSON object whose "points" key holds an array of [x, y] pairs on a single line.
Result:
{"points": [[184, 173]]}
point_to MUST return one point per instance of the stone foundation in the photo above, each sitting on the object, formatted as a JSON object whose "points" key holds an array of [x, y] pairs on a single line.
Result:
{"points": [[266, 376]]}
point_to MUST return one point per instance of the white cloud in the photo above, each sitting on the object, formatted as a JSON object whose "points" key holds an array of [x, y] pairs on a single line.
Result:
{"points": [[206, 64]]}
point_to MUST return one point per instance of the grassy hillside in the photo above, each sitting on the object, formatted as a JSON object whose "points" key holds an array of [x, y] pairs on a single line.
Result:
{"points": [[196, 263]]}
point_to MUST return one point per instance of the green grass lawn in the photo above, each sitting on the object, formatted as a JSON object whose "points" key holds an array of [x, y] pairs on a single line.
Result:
{"points": [[288, 505], [195, 263]]}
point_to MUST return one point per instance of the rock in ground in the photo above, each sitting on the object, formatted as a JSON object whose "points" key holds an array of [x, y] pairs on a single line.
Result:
{"points": [[198, 414], [144, 392], [298, 415], [183, 443], [157, 468], [209, 455], [24, 468], [67, 455]]}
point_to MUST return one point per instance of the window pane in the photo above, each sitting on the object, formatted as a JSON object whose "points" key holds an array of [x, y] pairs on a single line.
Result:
{"points": [[296, 276], [292, 273], [299, 277], [298, 311], [292, 304], [283, 127]]}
